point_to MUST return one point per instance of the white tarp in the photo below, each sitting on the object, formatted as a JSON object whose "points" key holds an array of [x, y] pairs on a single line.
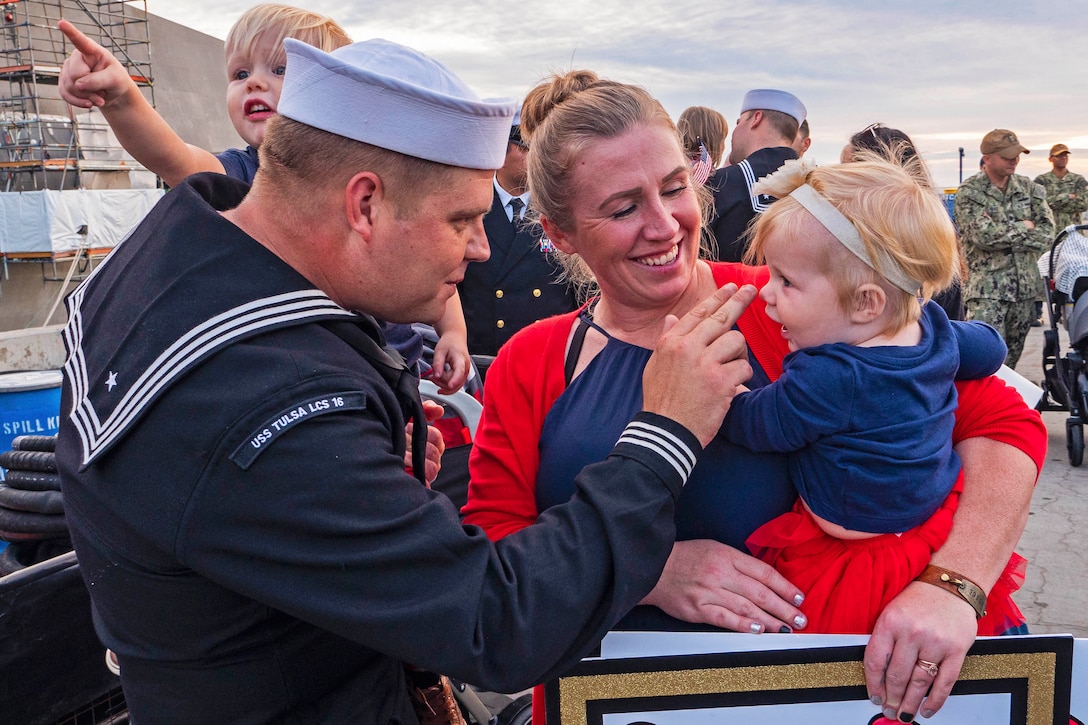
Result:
{"points": [[49, 222]]}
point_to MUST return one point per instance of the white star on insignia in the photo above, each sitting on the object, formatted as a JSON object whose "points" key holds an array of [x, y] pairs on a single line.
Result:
{"points": [[111, 381]]}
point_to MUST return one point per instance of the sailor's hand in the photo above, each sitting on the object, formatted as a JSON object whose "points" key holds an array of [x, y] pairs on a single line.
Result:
{"points": [[698, 363], [436, 444]]}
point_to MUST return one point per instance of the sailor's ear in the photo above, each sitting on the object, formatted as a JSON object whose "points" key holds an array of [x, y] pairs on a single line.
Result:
{"points": [[364, 197]]}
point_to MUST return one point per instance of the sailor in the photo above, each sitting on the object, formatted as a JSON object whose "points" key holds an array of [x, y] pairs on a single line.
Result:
{"points": [[1066, 191], [1004, 224], [762, 141], [233, 443]]}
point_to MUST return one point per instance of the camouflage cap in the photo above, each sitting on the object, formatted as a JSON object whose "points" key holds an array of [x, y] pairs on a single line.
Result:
{"points": [[1002, 142], [1058, 149]]}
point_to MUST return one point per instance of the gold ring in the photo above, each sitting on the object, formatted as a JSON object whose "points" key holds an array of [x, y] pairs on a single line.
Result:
{"points": [[930, 667]]}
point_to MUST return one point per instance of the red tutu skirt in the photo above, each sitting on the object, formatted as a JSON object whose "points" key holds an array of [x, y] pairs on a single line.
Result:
{"points": [[848, 582]]}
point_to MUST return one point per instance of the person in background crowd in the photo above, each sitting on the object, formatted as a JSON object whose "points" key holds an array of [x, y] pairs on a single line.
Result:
{"points": [[803, 140], [763, 139], [1004, 224], [1067, 197], [897, 147], [701, 125], [1066, 191], [520, 282]]}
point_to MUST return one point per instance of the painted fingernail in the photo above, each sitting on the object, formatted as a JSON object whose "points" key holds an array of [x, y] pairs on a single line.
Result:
{"points": [[756, 627], [927, 714], [798, 600], [800, 621], [784, 629], [890, 713], [906, 717], [877, 700]]}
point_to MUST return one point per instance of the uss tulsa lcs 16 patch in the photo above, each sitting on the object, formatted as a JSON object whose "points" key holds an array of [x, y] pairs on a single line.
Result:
{"points": [[288, 418]]}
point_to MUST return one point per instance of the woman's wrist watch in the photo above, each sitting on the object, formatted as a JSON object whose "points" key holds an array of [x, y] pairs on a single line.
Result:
{"points": [[958, 584]]}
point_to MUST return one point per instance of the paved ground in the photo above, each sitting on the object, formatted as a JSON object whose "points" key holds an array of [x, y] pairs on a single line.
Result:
{"points": [[1056, 539]]}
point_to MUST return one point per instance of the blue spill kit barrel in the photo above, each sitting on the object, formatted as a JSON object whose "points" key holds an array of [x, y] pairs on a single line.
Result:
{"points": [[29, 405]]}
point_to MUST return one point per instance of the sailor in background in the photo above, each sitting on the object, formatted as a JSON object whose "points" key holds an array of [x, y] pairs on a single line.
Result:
{"points": [[762, 141]]}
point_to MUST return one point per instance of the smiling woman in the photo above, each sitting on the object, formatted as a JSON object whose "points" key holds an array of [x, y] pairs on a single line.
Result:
{"points": [[648, 214], [612, 188], [642, 229]]}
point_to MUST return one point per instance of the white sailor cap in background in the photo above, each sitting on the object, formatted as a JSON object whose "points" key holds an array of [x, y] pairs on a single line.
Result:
{"points": [[767, 99], [394, 97]]}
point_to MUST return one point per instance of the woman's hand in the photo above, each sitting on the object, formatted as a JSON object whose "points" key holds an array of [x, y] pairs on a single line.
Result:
{"points": [[924, 624], [707, 582]]}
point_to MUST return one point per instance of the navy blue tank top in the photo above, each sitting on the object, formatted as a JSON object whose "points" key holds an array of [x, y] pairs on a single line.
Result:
{"points": [[731, 493]]}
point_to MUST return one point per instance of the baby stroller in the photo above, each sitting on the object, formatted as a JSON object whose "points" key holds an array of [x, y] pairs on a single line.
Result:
{"points": [[1065, 379]]}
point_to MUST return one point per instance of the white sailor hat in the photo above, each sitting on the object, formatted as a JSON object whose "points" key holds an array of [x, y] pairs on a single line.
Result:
{"points": [[394, 97], [767, 99]]}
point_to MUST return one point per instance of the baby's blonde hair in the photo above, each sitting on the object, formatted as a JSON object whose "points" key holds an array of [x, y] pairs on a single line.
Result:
{"points": [[893, 213], [272, 21]]}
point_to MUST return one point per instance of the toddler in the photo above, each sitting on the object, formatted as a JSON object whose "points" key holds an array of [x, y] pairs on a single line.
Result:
{"points": [[866, 401]]}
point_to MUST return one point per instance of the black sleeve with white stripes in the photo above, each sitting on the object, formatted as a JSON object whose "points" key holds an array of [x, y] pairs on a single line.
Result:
{"points": [[661, 443]]}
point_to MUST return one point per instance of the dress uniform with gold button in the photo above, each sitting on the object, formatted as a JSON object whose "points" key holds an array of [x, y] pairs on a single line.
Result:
{"points": [[515, 287]]}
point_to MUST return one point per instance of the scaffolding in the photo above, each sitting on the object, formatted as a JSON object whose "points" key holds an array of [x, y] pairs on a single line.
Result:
{"points": [[72, 189], [44, 142]]}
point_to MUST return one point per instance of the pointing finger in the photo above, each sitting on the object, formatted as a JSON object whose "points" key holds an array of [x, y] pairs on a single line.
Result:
{"points": [[80, 41]]}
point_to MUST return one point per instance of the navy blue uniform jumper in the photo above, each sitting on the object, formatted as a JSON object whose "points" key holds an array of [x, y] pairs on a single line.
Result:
{"points": [[736, 205]]}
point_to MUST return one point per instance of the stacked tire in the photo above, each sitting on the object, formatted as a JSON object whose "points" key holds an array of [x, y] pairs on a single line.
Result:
{"points": [[31, 504]]}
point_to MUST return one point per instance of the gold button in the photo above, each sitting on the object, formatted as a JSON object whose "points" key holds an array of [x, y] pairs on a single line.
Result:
{"points": [[500, 324], [536, 293], [498, 294]]}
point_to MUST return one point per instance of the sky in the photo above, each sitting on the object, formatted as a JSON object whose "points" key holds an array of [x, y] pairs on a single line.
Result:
{"points": [[944, 72]]}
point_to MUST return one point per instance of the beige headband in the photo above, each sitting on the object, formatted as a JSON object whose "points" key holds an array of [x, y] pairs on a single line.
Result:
{"points": [[842, 229]]}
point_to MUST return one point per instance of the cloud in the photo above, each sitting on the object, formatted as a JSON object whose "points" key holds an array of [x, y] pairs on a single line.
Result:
{"points": [[944, 72]]}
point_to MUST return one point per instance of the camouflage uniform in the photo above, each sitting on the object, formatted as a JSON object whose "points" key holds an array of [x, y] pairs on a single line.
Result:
{"points": [[1002, 275], [1059, 196]]}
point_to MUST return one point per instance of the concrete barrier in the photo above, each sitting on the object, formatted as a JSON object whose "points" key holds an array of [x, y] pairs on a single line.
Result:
{"points": [[36, 348]]}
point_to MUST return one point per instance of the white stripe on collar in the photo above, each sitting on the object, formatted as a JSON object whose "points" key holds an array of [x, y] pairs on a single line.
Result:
{"points": [[758, 205], [183, 354]]}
